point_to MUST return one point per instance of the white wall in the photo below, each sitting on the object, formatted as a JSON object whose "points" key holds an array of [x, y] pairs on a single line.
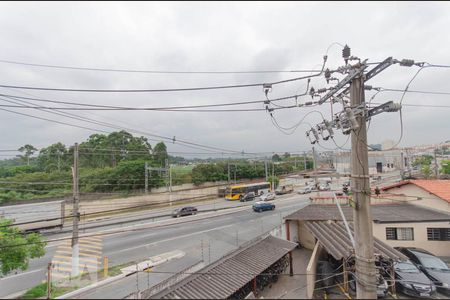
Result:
{"points": [[439, 248]]}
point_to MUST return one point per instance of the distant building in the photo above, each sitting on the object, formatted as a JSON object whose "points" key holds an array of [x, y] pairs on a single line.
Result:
{"points": [[375, 147], [388, 144], [427, 193]]}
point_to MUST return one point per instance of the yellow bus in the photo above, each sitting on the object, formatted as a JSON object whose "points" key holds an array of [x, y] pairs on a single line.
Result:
{"points": [[236, 192]]}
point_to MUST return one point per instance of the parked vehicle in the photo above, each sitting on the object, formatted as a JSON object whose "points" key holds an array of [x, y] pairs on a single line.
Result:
{"points": [[262, 206], [433, 267], [267, 197], [184, 211], [284, 189], [305, 190], [247, 197], [324, 187], [411, 281]]}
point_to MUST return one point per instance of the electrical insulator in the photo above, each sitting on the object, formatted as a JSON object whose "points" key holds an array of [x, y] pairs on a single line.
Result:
{"points": [[310, 138], [312, 91], [267, 87], [351, 117], [393, 107], [327, 75], [329, 128], [316, 135], [407, 62], [320, 91], [346, 53], [367, 87]]}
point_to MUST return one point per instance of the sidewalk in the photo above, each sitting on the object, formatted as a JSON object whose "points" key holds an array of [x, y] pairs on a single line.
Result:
{"points": [[288, 287]]}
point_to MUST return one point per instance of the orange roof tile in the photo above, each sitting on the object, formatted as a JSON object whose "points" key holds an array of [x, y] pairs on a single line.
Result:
{"points": [[439, 188]]}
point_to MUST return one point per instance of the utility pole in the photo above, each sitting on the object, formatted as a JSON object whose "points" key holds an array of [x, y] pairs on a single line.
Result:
{"points": [[315, 167], [436, 168], [49, 280], [228, 164], [146, 177], [265, 168], [170, 184], [304, 159], [402, 164], [273, 176], [75, 215], [364, 253]]}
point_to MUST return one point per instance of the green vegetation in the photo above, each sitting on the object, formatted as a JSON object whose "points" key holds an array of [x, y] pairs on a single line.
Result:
{"points": [[424, 160], [40, 291], [17, 248], [114, 163], [445, 164], [244, 170], [111, 163]]}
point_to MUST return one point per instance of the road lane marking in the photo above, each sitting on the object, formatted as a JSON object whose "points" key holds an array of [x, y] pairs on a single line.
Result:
{"points": [[21, 274]]}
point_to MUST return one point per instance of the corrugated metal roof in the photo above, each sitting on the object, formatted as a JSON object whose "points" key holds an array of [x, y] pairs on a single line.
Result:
{"points": [[212, 282], [334, 238], [381, 213]]}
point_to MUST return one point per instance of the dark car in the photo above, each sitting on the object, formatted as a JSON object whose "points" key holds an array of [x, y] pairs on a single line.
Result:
{"points": [[411, 281], [247, 197], [433, 267], [184, 211], [262, 206]]}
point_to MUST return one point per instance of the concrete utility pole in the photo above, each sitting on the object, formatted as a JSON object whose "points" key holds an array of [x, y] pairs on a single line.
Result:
{"points": [[146, 177], [265, 168], [228, 164], [436, 167], [304, 159], [75, 215], [315, 167], [49, 281], [273, 176], [170, 184], [402, 165], [366, 287]]}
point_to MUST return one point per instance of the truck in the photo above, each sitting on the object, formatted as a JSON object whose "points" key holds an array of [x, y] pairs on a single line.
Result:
{"points": [[284, 189]]}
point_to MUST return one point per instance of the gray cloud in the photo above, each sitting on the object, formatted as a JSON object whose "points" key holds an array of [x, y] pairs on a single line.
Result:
{"points": [[218, 36]]}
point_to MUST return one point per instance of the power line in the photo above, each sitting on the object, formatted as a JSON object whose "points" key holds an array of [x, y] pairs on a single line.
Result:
{"points": [[110, 125], [153, 90], [167, 108], [151, 71]]}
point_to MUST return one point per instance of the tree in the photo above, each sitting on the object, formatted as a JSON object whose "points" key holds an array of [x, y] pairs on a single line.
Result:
{"points": [[54, 157], [445, 167], [17, 248], [276, 157], [424, 160], [160, 153], [28, 151], [286, 155], [274, 179], [426, 171]]}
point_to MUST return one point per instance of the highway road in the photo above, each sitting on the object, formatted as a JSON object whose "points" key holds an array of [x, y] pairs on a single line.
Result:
{"points": [[218, 235]]}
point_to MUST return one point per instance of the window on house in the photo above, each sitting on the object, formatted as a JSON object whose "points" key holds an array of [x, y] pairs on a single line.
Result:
{"points": [[438, 234], [402, 233]]}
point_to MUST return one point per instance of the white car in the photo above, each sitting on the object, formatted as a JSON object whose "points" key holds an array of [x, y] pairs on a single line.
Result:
{"points": [[267, 197], [305, 190]]}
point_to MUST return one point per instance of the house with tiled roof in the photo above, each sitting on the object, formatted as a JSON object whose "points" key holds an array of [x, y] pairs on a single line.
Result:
{"points": [[433, 194]]}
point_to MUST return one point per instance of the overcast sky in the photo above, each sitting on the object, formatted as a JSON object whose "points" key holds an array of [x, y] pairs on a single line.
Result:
{"points": [[218, 37]]}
